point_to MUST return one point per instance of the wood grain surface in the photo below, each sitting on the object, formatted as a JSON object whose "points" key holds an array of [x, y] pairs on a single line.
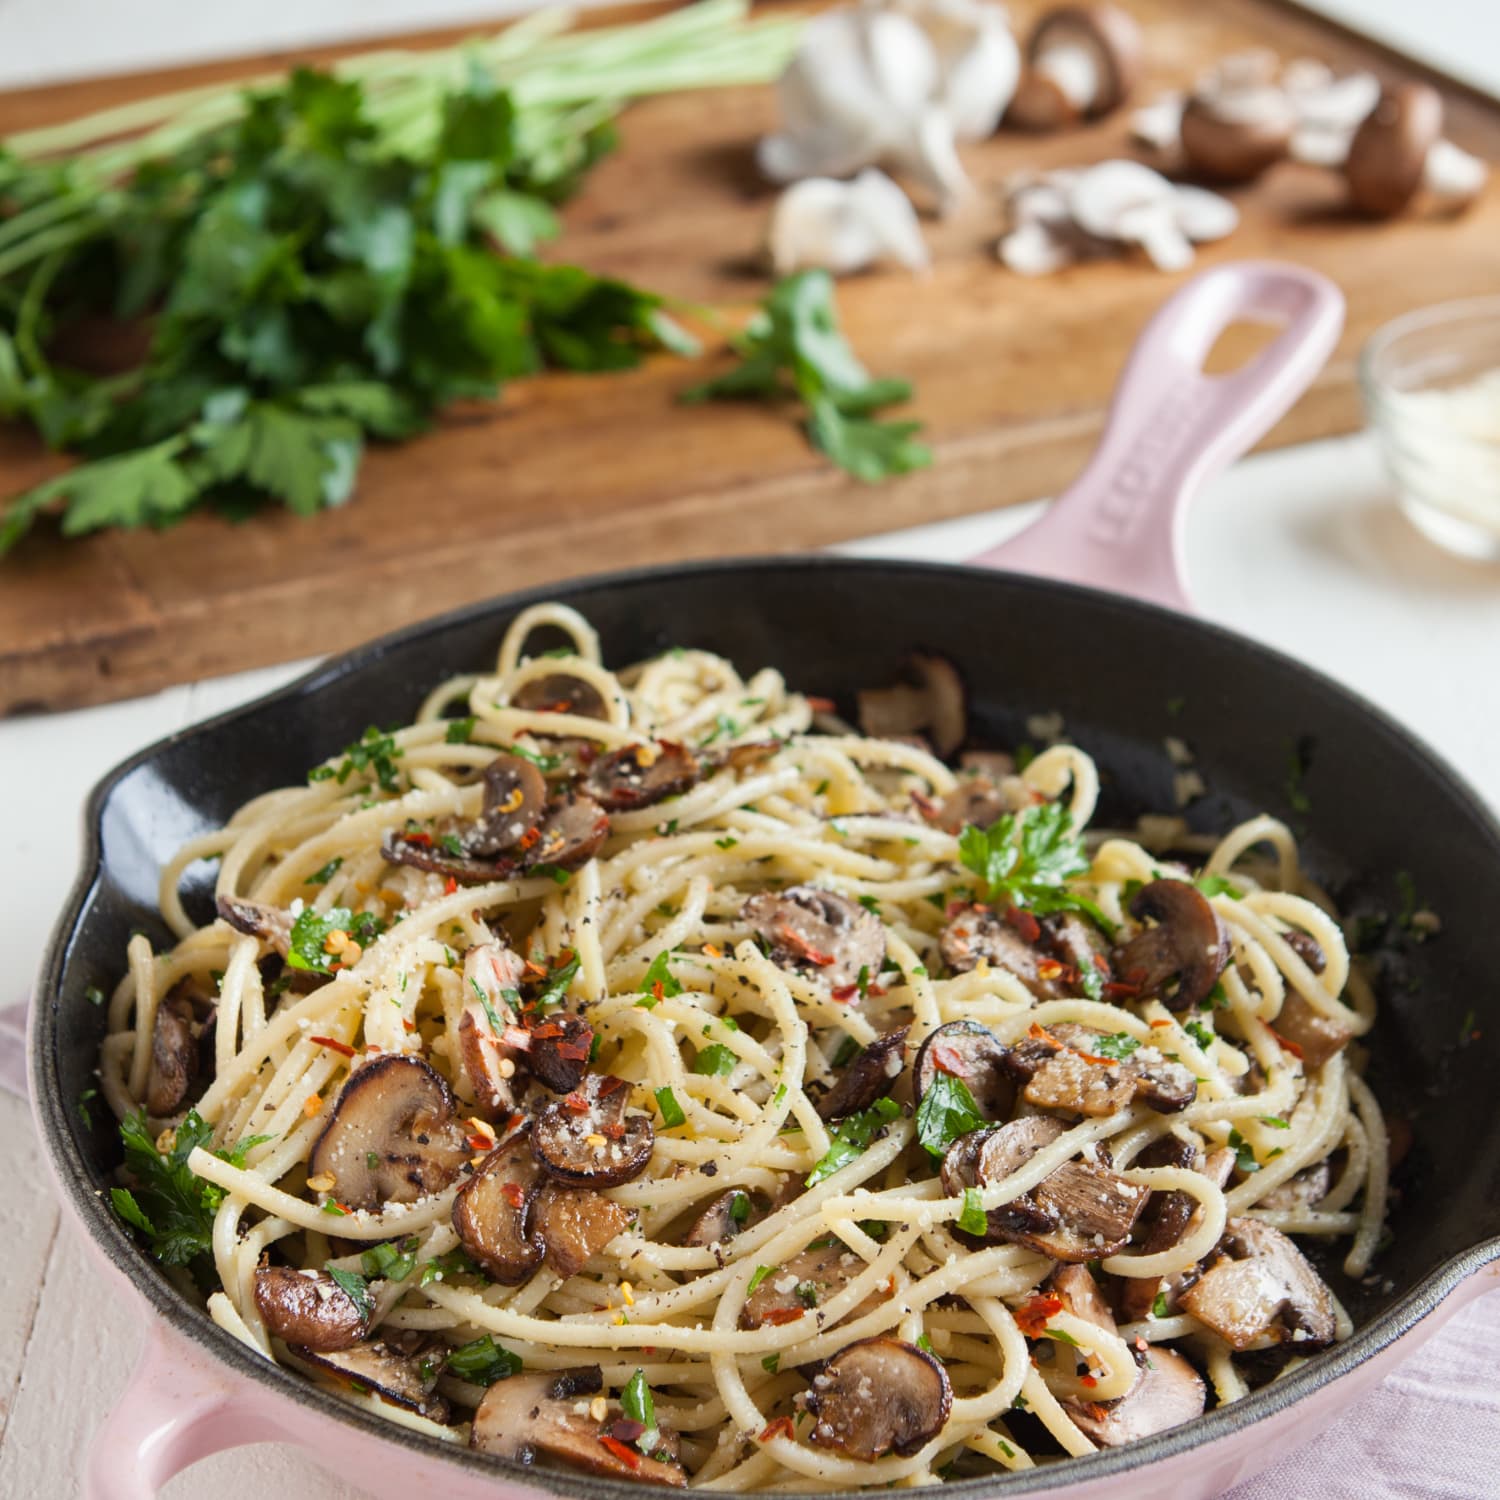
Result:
{"points": [[571, 474]]}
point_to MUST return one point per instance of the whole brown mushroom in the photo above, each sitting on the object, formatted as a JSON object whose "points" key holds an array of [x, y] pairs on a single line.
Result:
{"points": [[1082, 62], [1399, 151]]}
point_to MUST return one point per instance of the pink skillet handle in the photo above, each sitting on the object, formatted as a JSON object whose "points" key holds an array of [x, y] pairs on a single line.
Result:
{"points": [[177, 1408], [1121, 525]]}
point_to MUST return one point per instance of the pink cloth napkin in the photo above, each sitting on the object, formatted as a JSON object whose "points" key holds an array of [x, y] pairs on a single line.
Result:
{"points": [[1430, 1431]]}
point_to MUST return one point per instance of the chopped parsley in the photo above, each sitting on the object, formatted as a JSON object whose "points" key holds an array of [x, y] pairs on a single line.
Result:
{"points": [[440, 1267], [852, 1136], [1244, 1153], [717, 1061], [312, 929], [326, 873], [483, 1362], [973, 1219], [946, 1112], [1119, 1046], [1200, 1034], [1218, 885], [639, 1406], [355, 1288], [372, 753], [671, 1110], [739, 1206], [459, 730], [84, 1112], [390, 1261], [658, 981], [1027, 857], [540, 761], [1159, 1305], [559, 979], [761, 1272], [727, 842], [771, 1363], [870, 904], [1275, 1122]]}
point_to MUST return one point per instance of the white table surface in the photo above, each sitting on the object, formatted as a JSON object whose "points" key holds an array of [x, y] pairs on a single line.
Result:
{"points": [[1302, 548]]}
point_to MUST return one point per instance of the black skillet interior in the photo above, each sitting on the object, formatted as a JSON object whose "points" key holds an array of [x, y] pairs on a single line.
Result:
{"points": [[1369, 802]]}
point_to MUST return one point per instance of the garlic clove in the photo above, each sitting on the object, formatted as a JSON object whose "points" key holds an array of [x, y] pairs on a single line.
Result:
{"points": [[1032, 249], [1203, 216], [845, 226], [930, 156], [892, 219]]}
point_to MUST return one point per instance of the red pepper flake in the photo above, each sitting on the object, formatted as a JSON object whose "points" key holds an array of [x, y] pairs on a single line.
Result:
{"points": [[777, 1315], [1161, 1023], [794, 939], [1102, 964], [1040, 1034], [419, 838], [483, 1143], [781, 1427], [957, 908], [578, 1051], [1284, 1043], [536, 970], [337, 1046], [408, 1025], [1023, 923], [1119, 990], [528, 840], [1032, 1317], [658, 990], [514, 1194], [627, 1456], [614, 1130], [1089, 1380], [821, 705], [1142, 1345], [547, 1029], [946, 1060], [575, 1104], [845, 993], [450, 885], [1048, 968]]}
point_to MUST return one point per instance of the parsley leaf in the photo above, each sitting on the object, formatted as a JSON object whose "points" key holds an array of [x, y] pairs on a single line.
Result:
{"points": [[1218, 885], [1244, 1153], [482, 1361], [946, 1112], [328, 871], [671, 1110], [717, 1061], [1118, 1046], [310, 932], [459, 730], [390, 1261], [852, 1136], [1200, 1034], [637, 1402], [660, 974], [355, 1288], [761, 1272], [973, 1219], [794, 349]]}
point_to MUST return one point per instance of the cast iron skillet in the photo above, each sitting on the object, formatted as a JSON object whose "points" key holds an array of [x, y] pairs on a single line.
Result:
{"points": [[1378, 802]]}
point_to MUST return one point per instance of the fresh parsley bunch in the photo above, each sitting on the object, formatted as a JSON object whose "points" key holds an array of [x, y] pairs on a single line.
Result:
{"points": [[793, 349], [1026, 859], [317, 274]]}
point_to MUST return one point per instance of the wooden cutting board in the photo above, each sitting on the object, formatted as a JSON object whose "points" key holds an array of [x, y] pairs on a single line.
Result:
{"points": [[566, 474]]}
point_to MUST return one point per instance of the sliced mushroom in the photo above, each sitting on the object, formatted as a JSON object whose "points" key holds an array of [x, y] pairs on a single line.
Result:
{"points": [[575, 1224], [927, 698], [175, 1052], [879, 1396], [1002, 1149], [724, 1218], [979, 799], [492, 974], [1082, 62], [1307, 948], [539, 1416], [308, 1308], [560, 693], [973, 1054], [559, 1052], [586, 1139], [746, 756], [807, 1281], [640, 775], [1315, 1036], [819, 932], [493, 1215], [393, 1136], [402, 1369], [419, 851], [1306, 1190], [515, 798], [271, 924], [571, 834], [1239, 120], [977, 934], [1188, 944], [1262, 1291], [1169, 1393], [868, 1077], [1065, 1068]]}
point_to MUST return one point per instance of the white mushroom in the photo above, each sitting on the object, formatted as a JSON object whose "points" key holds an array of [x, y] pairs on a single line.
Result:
{"points": [[1238, 120], [1082, 62], [1398, 152], [892, 84], [845, 226]]}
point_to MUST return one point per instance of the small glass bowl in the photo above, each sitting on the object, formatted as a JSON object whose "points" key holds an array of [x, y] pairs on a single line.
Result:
{"points": [[1431, 387]]}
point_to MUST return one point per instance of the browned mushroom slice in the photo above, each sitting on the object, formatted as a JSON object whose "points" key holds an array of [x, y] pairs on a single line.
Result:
{"points": [[927, 698], [402, 1369], [1262, 1290], [1166, 1218], [492, 974], [539, 1417], [1073, 940], [724, 1218], [1072, 1081], [640, 775], [1074, 1286], [1315, 1037], [271, 924], [1095, 1210], [1169, 1393], [976, 1057], [987, 1156], [868, 1077], [1306, 1190], [1187, 944], [174, 1052], [879, 1396], [978, 934], [575, 1224], [571, 834], [393, 1136], [515, 797], [560, 693], [586, 1139], [492, 1212], [308, 1308], [1069, 1067], [1307, 948], [745, 757], [979, 799], [559, 1052], [819, 932], [420, 852], [807, 1281]]}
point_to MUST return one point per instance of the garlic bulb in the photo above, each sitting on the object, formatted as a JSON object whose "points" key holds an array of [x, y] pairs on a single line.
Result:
{"points": [[845, 226], [893, 82]]}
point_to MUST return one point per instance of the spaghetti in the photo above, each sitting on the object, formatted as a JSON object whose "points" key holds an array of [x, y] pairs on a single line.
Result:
{"points": [[433, 1055]]}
